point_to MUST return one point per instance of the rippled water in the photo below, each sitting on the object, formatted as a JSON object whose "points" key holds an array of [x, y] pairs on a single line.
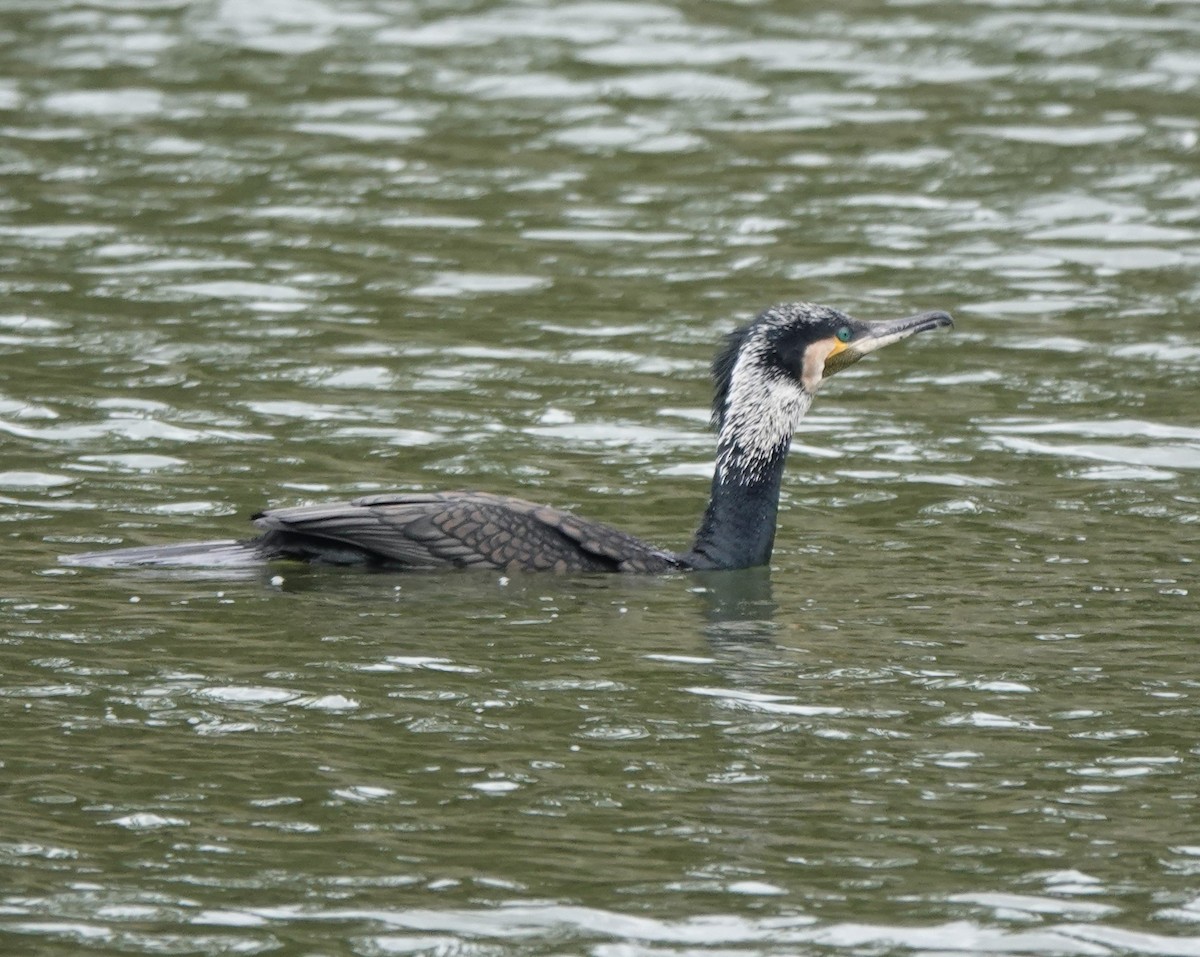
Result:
{"points": [[294, 250]]}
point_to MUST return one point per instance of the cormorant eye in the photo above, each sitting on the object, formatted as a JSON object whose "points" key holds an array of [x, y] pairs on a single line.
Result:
{"points": [[845, 334]]}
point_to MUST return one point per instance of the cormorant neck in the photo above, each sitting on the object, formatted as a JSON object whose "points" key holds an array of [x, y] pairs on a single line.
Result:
{"points": [[738, 527], [757, 421]]}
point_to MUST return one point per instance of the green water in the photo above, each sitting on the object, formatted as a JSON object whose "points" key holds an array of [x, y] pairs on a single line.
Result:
{"points": [[272, 253]]}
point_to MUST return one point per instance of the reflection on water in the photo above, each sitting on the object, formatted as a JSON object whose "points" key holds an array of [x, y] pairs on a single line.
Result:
{"points": [[738, 605], [278, 252]]}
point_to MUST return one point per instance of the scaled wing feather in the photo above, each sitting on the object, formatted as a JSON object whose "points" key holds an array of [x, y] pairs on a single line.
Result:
{"points": [[461, 529]]}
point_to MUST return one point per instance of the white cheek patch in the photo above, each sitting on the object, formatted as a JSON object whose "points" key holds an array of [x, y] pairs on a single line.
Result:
{"points": [[813, 368]]}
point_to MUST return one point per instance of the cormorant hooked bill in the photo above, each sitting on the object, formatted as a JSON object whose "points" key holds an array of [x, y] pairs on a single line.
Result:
{"points": [[764, 377]]}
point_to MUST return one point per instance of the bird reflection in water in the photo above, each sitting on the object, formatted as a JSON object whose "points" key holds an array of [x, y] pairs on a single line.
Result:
{"points": [[738, 605]]}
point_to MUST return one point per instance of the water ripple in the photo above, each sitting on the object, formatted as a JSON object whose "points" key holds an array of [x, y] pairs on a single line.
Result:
{"points": [[261, 251]]}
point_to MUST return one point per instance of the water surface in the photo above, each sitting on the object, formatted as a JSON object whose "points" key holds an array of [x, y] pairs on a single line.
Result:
{"points": [[283, 252]]}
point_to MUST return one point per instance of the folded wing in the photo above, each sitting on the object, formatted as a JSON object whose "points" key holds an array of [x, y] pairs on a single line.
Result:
{"points": [[460, 529]]}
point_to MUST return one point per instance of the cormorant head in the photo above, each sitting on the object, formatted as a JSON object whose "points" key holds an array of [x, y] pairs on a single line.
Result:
{"points": [[791, 348]]}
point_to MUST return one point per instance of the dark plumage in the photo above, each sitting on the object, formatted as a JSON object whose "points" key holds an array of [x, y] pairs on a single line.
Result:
{"points": [[465, 529], [764, 380]]}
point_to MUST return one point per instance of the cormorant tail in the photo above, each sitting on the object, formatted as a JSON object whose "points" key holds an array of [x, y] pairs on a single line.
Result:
{"points": [[221, 553]]}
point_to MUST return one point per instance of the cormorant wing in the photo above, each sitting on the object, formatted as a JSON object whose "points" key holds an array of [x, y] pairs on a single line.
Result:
{"points": [[463, 529]]}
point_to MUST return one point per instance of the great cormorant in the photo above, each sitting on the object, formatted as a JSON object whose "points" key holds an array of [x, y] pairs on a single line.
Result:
{"points": [[764, 377]]}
